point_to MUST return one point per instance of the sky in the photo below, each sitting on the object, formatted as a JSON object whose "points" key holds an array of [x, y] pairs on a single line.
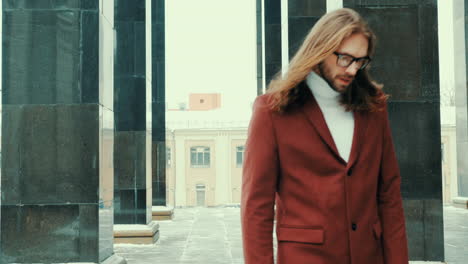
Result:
{"points": [[211, 48]]}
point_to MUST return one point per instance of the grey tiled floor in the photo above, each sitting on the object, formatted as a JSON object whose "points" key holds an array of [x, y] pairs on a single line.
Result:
{"points": [[456, 235], [212, 236]]}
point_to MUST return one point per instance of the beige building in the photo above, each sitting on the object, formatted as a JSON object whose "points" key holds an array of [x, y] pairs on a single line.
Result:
{"points": [[449, 154], [204, 166]]}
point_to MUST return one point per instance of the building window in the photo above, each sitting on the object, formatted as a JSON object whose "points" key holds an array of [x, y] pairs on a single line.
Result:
{"points": [[200, 157], [168, 157], [239, 156]]}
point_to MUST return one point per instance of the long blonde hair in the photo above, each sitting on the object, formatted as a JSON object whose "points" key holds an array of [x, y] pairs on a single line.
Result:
{"points": [[323, 39]]}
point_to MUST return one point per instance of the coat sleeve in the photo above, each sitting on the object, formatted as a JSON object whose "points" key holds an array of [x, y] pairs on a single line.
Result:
{"points": [[391, 214], [259, 180]]}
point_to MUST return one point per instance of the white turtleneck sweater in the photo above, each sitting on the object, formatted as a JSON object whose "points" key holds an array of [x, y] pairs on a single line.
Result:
{"points": [[339, 122]]}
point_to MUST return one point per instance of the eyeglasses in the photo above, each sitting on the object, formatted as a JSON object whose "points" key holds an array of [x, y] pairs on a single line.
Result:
{"points": [[345, 60]]}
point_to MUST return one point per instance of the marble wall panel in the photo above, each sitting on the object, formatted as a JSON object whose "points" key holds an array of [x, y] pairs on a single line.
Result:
{"points": [[259, 39], [158, 51], [298, 8], [158, 102], [159, 118], [272, 18], [53, 69], [298, 28], [64, 233], [89, 66], [129, 10], [125, 41], [50, 144], [302, 16], [140, 36], [129, 103], [51, 4], [130, 160], [417, 144], [414, 214], [130, 206], [424, 229], [159, 173]]}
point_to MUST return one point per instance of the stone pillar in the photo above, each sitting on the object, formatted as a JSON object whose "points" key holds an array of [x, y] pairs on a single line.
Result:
{"points": [[460, 11], [272, 36], [158, 103], [259, 24], [406, 62], [302, 16], [132, 102], [57, 132]]}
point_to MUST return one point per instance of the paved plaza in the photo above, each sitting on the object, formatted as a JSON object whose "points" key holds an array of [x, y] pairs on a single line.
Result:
{"points": [[212, 236]]}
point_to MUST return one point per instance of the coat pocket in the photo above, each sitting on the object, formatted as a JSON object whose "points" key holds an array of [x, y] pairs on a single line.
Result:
{"points": [[314, 235], [377, 230]]}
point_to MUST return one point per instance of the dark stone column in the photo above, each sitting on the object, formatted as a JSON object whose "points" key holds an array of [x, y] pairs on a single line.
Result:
{"points": [[57, 133], [132, 95], [158, 103], [406, 62], [259, 24], [302, 16], [272, 9]]}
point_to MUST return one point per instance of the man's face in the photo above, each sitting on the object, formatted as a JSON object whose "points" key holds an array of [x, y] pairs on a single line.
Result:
{"points": [[339, 78]]}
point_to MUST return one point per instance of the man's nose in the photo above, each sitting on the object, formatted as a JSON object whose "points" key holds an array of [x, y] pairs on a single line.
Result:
{"points": [[352, 69]]}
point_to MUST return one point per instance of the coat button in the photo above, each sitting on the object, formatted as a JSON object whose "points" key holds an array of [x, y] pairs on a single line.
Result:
{"points": [[353, 226]]}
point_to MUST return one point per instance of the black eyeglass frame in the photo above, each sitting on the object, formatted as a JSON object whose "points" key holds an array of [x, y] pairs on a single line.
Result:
{"points": [[353, 59]]}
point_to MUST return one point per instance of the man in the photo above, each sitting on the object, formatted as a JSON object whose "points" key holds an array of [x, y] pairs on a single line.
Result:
{"points": [[319, 148]]}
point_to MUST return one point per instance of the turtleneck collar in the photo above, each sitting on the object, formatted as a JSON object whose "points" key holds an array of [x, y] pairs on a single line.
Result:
{"points": [[320, 88]]}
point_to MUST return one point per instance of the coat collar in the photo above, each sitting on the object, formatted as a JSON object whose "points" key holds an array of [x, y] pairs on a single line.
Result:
{"points": [[315, 116]]}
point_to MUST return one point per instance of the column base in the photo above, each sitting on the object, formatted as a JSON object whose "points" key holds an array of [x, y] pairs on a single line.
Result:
{"points": [[114, 259], [461, 202], [163, 212], [136, 234]]}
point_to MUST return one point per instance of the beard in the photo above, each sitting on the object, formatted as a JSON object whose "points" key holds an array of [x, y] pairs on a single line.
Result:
{"points": [[332, 80]]}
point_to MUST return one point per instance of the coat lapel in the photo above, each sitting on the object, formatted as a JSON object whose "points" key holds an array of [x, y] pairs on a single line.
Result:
{"points": [[359, 135], [314, 114], [312, 111]]}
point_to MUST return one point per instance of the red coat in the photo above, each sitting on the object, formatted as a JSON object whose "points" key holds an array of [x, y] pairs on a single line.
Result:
{"points": [[327, 211]]}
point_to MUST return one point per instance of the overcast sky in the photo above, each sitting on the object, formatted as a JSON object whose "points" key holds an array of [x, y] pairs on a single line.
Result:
{"points": [[211, 48]]}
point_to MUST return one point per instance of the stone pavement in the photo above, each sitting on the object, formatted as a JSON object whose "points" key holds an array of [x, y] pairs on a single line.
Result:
{"points": [[456, 235], [212, 236]]}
